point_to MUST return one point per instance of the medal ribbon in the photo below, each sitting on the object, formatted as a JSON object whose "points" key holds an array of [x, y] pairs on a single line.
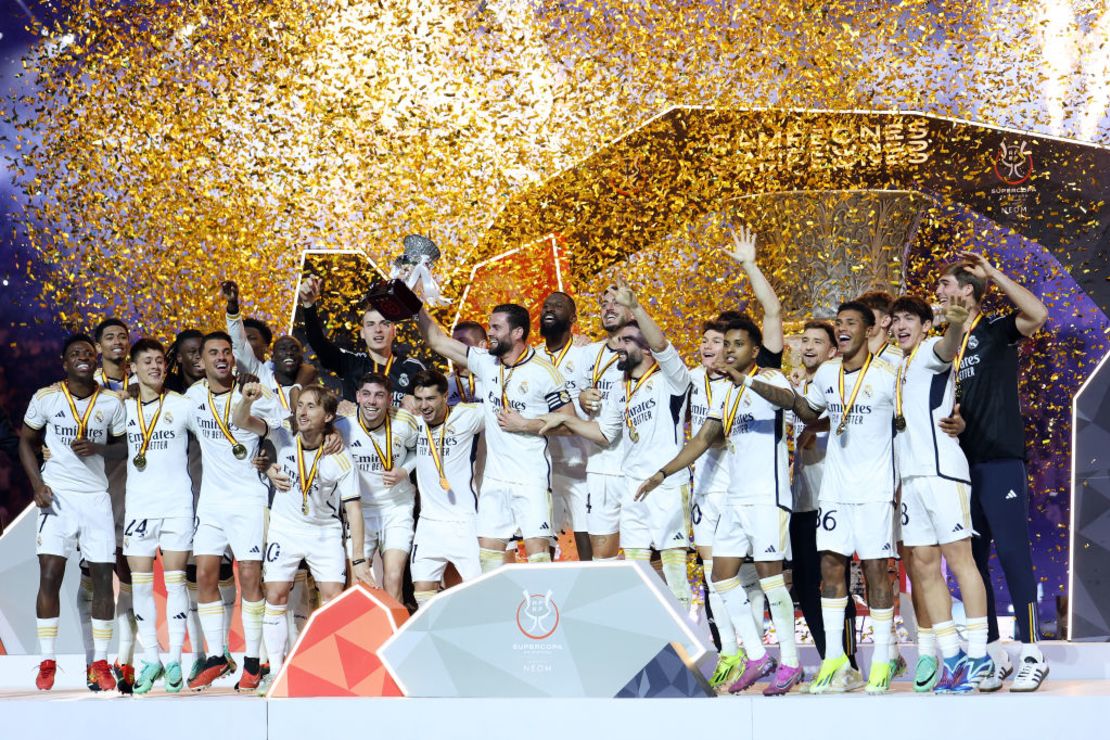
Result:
{"points": [[387, 456], [630, 391], [82, 420], [855, 390], [597, 374], [730, 416], [437, 455], [306, 479], [468, 395], [903, 369], [505, 381], [556, 361], [106, 381], [388, 366], [281, 396], [959, 360], [148, 432], [223, 423]]}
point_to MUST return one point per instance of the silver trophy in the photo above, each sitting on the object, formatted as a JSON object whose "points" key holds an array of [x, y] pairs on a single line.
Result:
{"points": [[414, 267]]}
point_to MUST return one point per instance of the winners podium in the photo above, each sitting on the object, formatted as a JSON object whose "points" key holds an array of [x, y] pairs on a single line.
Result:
{"points": [[600, 630]]}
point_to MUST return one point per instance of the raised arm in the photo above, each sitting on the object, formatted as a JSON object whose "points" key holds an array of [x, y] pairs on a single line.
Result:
{"points": [[1032, 314], [241, 415], [743, 251], [330, 355], [780, 396], [240, 347], [440, 342], [710, 432], [653, 335]]}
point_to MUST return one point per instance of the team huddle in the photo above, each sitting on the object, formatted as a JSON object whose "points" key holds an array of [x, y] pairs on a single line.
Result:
{"points": [[906, 442]]}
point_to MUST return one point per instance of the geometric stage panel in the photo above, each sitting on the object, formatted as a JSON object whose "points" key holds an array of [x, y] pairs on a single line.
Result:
{"points": [[337, 651], [558, 629]]}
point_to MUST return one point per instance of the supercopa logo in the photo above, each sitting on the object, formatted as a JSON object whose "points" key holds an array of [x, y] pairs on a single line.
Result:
{"points": [[537, 616], [1013, 162]]}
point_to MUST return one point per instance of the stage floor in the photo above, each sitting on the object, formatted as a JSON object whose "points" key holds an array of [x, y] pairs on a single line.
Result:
{"points": [[1071, 704]]}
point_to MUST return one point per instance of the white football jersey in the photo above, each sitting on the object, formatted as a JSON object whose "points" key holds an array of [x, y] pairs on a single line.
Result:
{"points": [[928, 394], [228, 481], [456, 446], [163, 488], [859, 465], [400, 444], [755, 448], [336, 481], [809, 462], [601, 363], [711, 469], [656, 410], [115, 469], [532, 387], [65, 471], [569, 452], [462, 389]]}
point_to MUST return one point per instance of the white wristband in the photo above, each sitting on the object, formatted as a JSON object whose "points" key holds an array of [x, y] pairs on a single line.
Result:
{"points": [[297, 386], [748, 380]]}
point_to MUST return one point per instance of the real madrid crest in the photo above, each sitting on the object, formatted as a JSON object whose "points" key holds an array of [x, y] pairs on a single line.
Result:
{"points": [[524, 387]]}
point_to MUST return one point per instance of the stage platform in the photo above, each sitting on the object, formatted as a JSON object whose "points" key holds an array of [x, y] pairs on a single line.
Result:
{"points": [[1071, 704]]}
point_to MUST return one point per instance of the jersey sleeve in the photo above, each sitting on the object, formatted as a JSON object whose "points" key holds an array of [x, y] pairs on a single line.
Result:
{"points": [[473, 421], [673, 369], [555, 393], [717, 410], [927, 355], [346, 480], [611, 419], [240, 347], [118, 427], [767, 358], [35, 416], [814, 396], [1006, 329], [477, 360]]}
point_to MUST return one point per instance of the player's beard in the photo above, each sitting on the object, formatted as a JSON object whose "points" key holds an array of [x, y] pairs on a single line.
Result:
{"points": [[630, 361], [497, 348], [554, 329]]}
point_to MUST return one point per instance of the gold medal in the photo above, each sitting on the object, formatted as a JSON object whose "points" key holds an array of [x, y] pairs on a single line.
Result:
{"points": [[899, 382], [237, 448], [437, 454], [629, 392], [847, 405], [147, 432], [306, 479], [729, 411], [900, 423]]}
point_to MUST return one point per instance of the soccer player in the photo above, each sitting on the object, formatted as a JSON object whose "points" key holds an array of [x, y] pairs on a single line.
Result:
{"points": [[708, 384], [856, 501], [78, 422], [605, 484], [231, 509], [994, 442], [754, 520], [382, 441], [645, 414], [185, 364], [881, 344], [818, 345], [936, 513], [568, 454], [377, 332], [517, 387], [311, 488], [446, 452], [461, 384], [159, 512]]}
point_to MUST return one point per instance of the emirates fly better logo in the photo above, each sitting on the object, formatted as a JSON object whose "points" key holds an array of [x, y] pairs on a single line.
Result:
{"points": [[537, 616]]}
